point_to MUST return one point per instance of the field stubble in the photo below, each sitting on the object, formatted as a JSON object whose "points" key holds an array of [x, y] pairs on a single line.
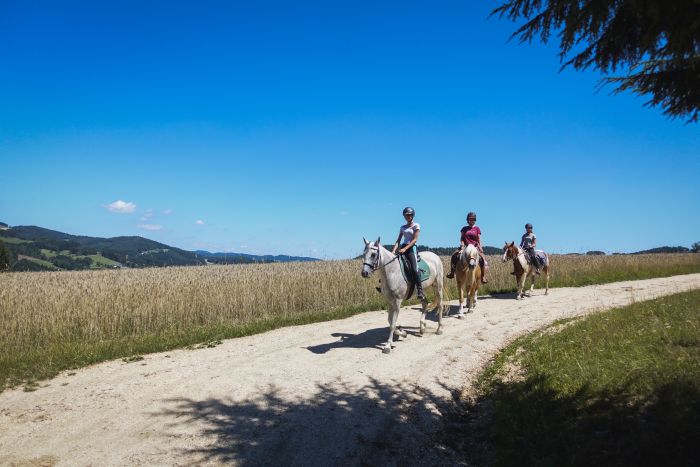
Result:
{"points": [[51, 321]]}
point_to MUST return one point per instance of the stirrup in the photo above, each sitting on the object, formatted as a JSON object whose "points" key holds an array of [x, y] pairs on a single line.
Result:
{"points": [[450, 275]]}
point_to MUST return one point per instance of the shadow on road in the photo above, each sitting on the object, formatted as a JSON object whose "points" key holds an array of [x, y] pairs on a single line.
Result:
{"points": [[377, 424]]}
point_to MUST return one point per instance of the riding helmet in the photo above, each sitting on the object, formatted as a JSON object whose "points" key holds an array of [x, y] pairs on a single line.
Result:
{"points": [[528, 226], [409, 210]]}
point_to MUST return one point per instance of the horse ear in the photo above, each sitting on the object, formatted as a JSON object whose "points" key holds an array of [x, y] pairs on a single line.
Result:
{"points": [[512, 243], [365, 240], [378, 241]]}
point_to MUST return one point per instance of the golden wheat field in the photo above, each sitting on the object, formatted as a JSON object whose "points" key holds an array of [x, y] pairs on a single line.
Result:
{"points": [[41, 310]]}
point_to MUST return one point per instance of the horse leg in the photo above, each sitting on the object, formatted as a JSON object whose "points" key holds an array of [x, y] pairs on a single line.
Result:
{"points": [[532, 285], [438, 308], [393, 316], [460, 290], [521, 285], [546, 278]]}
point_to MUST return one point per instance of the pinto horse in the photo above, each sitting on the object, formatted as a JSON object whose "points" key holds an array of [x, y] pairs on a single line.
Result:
{"points": [[395, 288], [468, 275], [524, 269]]}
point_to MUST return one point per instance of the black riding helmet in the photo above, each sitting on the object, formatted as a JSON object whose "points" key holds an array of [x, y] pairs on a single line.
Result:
{"points": [[409, 210], [528, 226]]}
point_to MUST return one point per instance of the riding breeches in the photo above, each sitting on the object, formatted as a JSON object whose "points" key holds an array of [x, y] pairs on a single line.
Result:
{"points": [[413, 262]]}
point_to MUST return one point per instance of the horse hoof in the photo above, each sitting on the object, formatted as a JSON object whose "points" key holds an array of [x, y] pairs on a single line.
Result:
{"points": [[460, 316], [438, 332], [386, 350]]}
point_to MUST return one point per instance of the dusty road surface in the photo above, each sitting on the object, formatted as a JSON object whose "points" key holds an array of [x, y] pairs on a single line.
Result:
{"points": [[319, 394]]}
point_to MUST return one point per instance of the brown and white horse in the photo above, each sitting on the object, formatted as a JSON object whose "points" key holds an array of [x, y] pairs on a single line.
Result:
{"points": [[468, 275], [523, 269]]}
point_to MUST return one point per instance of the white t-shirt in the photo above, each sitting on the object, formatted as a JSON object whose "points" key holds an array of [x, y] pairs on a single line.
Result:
{"points": [[409, 231]]}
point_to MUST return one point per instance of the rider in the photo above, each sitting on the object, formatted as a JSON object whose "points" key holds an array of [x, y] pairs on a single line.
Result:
{"points": [[410, 232], [528, 243], [470, 235]]}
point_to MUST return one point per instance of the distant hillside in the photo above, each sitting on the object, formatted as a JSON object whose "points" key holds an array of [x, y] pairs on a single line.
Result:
{"points": [[233, 258], [664, 249], [37, 248]]}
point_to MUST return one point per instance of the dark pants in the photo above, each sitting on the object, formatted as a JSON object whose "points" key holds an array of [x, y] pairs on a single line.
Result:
{"points": [[533, 257], [413, 263]]}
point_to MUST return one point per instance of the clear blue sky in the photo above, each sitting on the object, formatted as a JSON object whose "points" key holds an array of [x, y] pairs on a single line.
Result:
{"points": [[300, 127]]}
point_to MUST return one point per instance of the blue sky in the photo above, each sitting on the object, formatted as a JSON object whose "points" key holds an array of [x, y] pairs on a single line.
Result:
{"points": [[299, 128]]}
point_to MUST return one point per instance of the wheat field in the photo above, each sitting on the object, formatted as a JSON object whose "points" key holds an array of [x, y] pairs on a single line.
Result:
{"points": [[55, 320]]}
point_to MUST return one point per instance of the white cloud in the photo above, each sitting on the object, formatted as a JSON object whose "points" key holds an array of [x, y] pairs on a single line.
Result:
{"points": [[167, 212], [121, 207], [147, 215], [199, 222], [150, 227]]}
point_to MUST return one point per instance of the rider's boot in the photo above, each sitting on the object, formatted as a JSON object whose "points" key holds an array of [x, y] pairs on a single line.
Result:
{"points": [[451, 274], [420, 294]]}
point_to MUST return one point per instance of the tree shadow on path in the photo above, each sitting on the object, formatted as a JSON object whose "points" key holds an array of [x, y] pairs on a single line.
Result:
{"points": [[377, 424]]}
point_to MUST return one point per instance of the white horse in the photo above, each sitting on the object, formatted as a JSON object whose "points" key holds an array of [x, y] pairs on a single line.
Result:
{"points": [[395, 288], [523, 269], [468, 275]]}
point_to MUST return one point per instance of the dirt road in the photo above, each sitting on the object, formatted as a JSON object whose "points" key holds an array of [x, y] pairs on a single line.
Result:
{"points": [[319, 394]]}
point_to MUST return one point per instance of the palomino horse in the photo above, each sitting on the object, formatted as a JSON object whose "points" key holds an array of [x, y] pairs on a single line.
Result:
{"points": [[523, 269], [395, 287], [468, 274]]}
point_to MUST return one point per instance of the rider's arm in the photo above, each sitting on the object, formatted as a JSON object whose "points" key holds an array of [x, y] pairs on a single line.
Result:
{"points": [[534, 241], [396, 245]]}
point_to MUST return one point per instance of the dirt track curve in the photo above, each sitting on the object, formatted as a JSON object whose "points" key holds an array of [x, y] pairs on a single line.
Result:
{"points": [[319, 394]]}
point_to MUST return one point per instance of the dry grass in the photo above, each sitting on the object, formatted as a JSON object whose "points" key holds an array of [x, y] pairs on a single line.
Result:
{"points": [[51, 321]]}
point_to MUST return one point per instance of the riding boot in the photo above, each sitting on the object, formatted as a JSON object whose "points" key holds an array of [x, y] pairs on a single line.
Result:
{"points": [[420, 294]]}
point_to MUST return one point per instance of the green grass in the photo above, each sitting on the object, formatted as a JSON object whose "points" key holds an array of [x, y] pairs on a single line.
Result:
{"points": [[100, 261], [48, 253], [14, 240], [46, 264], [621, 387]]}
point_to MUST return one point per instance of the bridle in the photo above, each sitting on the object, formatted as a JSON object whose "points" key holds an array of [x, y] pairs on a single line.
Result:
{"points": [[375, 266]]}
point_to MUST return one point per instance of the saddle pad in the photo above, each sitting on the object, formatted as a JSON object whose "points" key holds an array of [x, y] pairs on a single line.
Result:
{"points": [[422, 267], [542, 258]]}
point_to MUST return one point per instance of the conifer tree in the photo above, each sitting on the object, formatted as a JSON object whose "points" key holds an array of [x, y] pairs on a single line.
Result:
{"points": [[655, 43]]}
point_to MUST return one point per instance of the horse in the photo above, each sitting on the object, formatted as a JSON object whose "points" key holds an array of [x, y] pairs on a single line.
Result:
{"points": [[468, 275], [523, 269], [395, 288]]}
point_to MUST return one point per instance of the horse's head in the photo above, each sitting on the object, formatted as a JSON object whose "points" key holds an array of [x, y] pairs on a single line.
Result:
{"points": [[370, 257], [510, 251], [470, 256]]}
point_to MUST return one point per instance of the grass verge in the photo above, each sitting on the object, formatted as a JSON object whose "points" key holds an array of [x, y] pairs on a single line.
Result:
{"points": [[620, 387]]}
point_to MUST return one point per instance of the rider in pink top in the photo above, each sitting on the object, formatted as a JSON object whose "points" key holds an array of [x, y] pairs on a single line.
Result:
{"points": [[470, 235]]}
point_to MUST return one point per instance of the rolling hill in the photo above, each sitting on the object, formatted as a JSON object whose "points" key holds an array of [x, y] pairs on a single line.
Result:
{"points": [[36, 248]]}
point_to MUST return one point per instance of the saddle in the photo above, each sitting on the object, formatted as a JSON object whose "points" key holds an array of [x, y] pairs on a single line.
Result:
{"points": [[541, 258], [423, 269]]}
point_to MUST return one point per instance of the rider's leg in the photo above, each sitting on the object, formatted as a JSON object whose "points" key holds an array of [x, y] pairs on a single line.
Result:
{"points": [[453, 264], [410, 254], [533, 260]]}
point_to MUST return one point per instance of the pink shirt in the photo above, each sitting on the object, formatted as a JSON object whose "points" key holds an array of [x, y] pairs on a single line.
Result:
{"points": [[470, 235]]}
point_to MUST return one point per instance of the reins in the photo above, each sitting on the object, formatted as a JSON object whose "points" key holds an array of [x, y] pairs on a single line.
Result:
{"points": [[376, 266]]}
